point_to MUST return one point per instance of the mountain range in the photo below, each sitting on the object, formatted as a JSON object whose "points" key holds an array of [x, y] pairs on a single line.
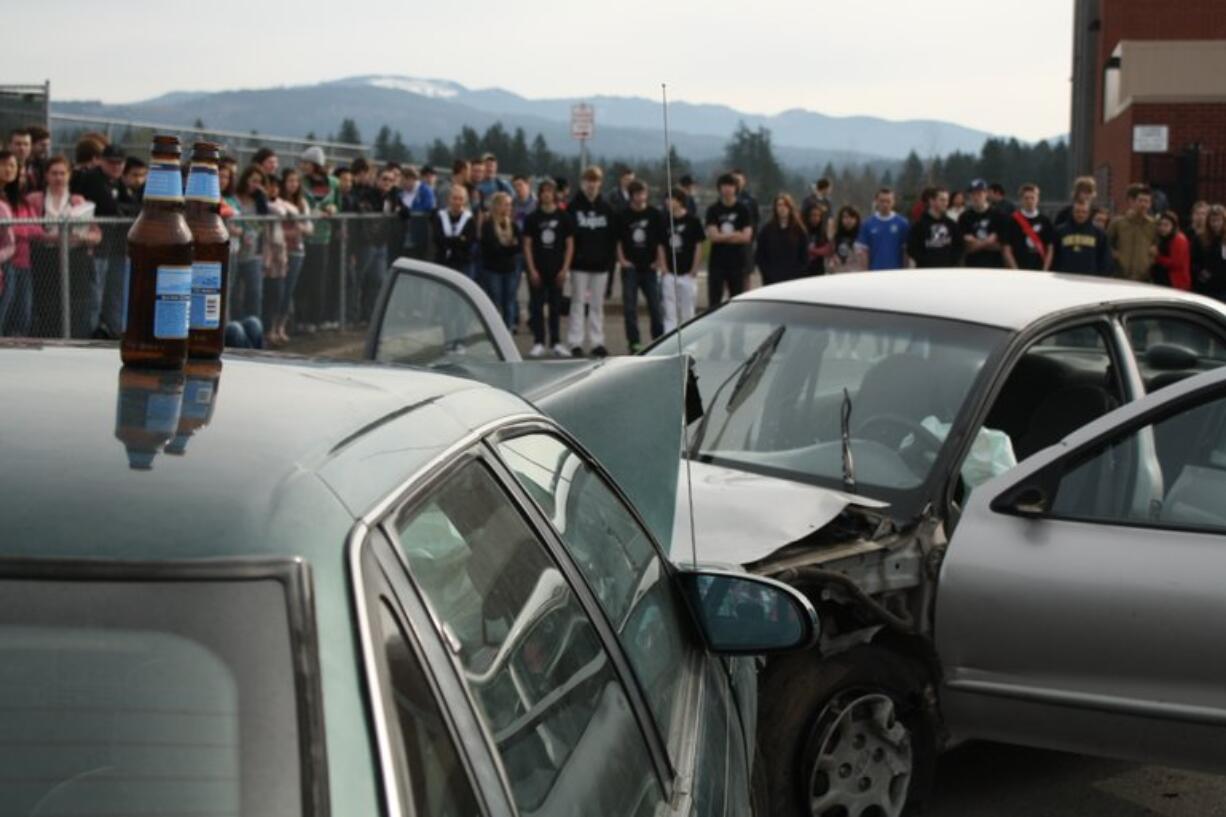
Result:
{"points": [[626, 126]]}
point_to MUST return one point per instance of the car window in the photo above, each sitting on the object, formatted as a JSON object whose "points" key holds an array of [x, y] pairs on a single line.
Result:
{"points": [[616, 557], [542, 681], [433, 775], [1169, 349], [148, 697], [428, 322], [1169, 474], [776, 379]]}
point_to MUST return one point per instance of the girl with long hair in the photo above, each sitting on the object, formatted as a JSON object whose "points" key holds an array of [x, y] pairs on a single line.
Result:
{"points": [[843, 256], [1209, 256], [295, 202], [500, 240], [1173, 263], [783, 247]]}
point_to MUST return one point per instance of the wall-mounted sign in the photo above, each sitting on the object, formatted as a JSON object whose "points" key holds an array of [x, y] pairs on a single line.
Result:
{"points": [[1151, 138]]}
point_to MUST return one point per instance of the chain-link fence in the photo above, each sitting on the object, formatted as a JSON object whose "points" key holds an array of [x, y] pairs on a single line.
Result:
{"points": [[66, 277]]}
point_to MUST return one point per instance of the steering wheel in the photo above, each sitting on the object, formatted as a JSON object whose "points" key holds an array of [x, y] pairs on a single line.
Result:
{"points": [[914, 455]]}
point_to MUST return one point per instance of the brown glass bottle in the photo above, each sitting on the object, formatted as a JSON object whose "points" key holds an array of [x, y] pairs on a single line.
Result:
{"points": [[210, 254], [158, 298], [147, 412]]}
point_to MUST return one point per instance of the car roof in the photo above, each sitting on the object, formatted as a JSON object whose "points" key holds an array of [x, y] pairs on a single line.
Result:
{"points": [[1008, 299], [295, 449]]}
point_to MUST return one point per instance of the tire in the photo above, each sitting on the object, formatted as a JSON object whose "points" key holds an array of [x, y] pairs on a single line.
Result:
{"points": [[846, 712]]}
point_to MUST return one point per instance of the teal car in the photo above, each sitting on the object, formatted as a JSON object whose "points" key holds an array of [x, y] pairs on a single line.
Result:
{"points": [[286, 587]]}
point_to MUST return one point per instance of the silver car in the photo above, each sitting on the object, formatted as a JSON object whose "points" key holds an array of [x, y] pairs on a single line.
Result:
{"points": [[854, 435]]}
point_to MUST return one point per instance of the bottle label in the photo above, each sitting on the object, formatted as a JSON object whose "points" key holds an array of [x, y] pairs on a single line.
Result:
{"points": [[203, 184], [171, 310], [162, 412], [165, 182], [206, 295], [197, 399]]}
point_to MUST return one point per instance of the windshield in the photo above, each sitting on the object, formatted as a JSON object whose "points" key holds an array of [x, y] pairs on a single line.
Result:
{"points": [[775, 379], [147, 697]]}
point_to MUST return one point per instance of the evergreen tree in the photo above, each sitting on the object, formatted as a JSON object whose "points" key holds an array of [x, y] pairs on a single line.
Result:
{"points": [[383, 142], [398, 151], [310, 137], [911, 178], [518, 159], [199, 125], [468, 144], [541, 159], [497, 141], [828, 172], [752, 152], [349, 133], [439, 155]]}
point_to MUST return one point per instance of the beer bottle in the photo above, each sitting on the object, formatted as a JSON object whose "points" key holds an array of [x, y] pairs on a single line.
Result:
{"points": [[159, 279], [147, 413], [210, 253], [199, 399]]}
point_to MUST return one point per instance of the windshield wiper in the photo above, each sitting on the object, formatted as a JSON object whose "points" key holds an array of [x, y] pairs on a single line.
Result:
{"points": [[750, 371], [849, 464]]}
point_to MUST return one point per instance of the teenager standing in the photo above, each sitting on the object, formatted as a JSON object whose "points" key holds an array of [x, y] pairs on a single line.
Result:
{"points": [[640, 252], [1031, 242], [730, 230], [679, 286], [549, 246], [595, 254]]}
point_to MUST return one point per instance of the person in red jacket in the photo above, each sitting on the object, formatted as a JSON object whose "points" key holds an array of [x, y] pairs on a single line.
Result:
{"points": [[1173, 262]]}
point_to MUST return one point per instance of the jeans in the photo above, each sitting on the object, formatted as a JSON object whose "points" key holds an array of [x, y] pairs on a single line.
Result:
{"points": [[500, 287], [309, 293], [547, 294], [114, 270], [245, 334], [274, 294], [251, 289], [292, 273], [645, 280], [17, 303], [718, 278], [372, 269]]}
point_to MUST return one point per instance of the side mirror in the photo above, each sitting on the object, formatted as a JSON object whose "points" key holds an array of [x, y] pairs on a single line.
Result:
{"points": [[1028, 500], [1170, 357], [742, 614]]}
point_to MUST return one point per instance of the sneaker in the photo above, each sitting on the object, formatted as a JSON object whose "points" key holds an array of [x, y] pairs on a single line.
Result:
{"points": [[576, 351], [560, 351], [600, 351], [537, 350]]}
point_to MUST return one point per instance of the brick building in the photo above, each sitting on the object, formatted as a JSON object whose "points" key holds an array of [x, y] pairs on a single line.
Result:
{"points": [[1149, 97]]}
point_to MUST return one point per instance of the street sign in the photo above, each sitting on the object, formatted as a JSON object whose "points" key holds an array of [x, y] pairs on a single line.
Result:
{"points": [[1151, 138], [582, 121]]}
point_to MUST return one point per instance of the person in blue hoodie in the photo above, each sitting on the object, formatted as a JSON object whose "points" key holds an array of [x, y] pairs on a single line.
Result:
{"points": [[883, 236]]}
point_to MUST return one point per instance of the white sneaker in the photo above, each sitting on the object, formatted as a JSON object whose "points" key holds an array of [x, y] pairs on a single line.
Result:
{"points": [[560, 351], [538, 350]]}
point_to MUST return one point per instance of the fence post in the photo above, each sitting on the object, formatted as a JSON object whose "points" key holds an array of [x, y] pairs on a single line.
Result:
{"points": [[344, 299], [65, 295]]}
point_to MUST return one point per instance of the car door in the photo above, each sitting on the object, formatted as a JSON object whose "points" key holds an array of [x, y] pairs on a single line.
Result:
{"points": [[1080, 604], [689, 692], [430, 315], [557, 707]]}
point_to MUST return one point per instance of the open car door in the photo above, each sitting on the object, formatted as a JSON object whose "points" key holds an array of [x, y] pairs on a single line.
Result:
{"points": [[429, 315], [1080, 603], [627, 411]]}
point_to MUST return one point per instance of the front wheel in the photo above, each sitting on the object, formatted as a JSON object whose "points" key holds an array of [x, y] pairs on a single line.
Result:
{"points": [[847, 736]]}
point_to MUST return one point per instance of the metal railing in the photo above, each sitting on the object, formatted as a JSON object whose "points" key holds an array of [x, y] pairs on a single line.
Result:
{"points": [[66, 277]]}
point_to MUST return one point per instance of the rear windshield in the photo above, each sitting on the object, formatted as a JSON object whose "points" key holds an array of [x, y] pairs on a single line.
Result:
{"points": [[141, 698]]}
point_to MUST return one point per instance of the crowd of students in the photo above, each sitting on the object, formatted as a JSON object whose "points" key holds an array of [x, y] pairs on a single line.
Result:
{"points": [[572, 249]]}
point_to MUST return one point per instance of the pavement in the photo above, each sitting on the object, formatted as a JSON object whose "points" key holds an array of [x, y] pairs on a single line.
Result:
{"points": [[980, 779]]}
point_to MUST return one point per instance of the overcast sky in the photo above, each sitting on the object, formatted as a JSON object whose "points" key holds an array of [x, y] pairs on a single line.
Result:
{"points": [[999, 65]]}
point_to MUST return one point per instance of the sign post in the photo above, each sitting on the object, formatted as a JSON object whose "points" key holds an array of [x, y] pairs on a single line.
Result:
{"points": [[582, 127]]}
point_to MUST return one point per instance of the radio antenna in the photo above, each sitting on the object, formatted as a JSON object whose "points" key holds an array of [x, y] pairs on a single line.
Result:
{"points": [[672, 249]]}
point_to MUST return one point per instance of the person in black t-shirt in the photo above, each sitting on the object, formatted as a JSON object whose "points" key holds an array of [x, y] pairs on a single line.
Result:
{"points": [[934, 241], [549, 245], [730, 229], [983, 229], [595, 255], [681, 252], [640, 252], [1031, 235]]}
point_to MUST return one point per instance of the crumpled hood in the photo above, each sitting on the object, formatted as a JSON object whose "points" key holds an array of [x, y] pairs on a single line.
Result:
{"points": [[741, 517]]}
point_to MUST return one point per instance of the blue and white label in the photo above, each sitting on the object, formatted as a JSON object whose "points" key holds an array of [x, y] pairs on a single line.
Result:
{"points": [[203, 184], [206, 295], [162, 412], [171, 310], [197, 399], [165, 182]]}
